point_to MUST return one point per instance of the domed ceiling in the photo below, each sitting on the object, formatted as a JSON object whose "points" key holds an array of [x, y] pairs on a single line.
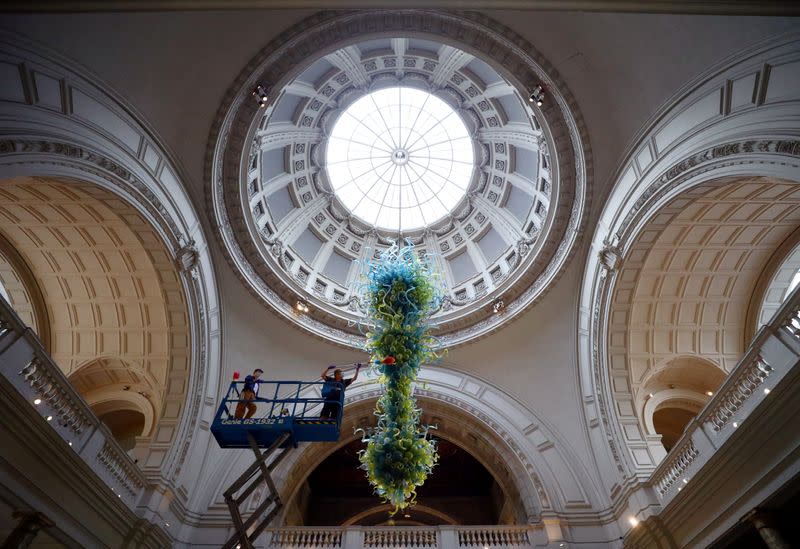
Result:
{"points": [[396, 139]]}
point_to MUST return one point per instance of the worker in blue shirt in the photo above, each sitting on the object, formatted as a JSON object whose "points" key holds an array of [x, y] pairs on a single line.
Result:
{"points": [[333, 390], [249, 394]]}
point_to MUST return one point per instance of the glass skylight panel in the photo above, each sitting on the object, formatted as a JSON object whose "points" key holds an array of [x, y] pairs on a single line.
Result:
{"points": [[400, 158]]}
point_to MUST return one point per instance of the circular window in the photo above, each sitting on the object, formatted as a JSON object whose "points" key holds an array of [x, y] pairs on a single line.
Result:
{"points": [[400, 158]]}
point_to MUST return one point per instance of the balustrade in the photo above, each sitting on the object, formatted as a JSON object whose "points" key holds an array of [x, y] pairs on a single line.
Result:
{"points": [[439, 537], [773, 353], [26, 366]]}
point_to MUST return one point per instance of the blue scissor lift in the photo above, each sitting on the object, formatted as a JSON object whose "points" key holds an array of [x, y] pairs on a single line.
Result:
{"points": [[287, 412]]}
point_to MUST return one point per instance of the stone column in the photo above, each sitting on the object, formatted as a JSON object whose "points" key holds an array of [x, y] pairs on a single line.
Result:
{"points": [[29, 525], [764, 522]]}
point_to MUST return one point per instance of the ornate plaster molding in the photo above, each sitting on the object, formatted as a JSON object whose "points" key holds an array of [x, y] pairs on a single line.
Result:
{"points": [[103, 142], [288, 55], [671, 157]]}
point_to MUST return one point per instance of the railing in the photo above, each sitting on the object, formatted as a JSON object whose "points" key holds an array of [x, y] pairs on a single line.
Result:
{"points": [[773, 353], [25, 365], [297, 399], [400, 537], [439, 537]]}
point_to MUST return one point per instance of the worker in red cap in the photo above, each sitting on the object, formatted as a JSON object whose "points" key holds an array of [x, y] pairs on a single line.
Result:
{"points": [[249, 394]]}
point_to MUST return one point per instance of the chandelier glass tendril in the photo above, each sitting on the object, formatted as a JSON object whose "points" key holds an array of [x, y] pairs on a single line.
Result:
{"points": [[401, 291]]}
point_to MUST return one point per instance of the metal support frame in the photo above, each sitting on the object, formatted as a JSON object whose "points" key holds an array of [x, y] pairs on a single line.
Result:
{"points": [[252, 477]]}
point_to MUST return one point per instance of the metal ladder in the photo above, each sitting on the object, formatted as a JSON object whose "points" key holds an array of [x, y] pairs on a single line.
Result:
{"points": [[258, 472]]}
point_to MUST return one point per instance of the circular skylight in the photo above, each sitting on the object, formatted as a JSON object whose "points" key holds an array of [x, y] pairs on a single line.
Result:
{"points": [[400, 158]]}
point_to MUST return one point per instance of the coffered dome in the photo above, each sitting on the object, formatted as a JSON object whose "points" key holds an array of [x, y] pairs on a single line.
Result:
{"points": [[398, 138]]}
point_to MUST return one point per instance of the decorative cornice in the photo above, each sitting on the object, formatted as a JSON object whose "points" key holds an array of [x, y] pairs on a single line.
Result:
{"points": [[538, 262]]}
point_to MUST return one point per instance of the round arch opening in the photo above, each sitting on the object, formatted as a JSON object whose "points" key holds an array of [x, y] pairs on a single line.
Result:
{"points": [[459, 491], [502, 485]]}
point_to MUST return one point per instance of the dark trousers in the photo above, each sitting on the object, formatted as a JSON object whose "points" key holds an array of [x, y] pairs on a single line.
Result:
{"points": [[247, 402], [331, 407]]}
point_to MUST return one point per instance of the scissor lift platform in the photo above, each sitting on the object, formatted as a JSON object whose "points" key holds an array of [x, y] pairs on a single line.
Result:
{"points": [[287, 412], [291, 407], [233, 433]]}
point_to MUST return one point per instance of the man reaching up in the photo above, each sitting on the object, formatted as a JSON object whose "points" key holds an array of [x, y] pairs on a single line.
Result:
{"points": [[334, 390]]}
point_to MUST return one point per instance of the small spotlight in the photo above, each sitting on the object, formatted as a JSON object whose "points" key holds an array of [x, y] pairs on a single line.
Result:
{"points": [[37, 401], [735, 424], [70, 443], [709, 393], [650, 395], [766, 391], [166, 524], [49, 418], [302, 306], [119, 495], [498, 305], [561, 545], [537, 96], [685, 481], [261, 96], [634, 521]]}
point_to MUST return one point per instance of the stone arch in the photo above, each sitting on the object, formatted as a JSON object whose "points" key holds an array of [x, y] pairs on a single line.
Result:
{"points": [[678, 156], [111, 384], [774, 283], [687, 280], [452, 424], [110, 288], [549, 479], [63, 123], [22, 291]]}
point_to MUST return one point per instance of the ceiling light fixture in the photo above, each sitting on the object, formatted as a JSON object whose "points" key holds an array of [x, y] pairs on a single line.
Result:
{"points": [[302, 306], [498, 305], [49, 418], [261, 96], [735, 424], [37, 401], [766, 391], [537, 95], [709, 393], [634, 521]]}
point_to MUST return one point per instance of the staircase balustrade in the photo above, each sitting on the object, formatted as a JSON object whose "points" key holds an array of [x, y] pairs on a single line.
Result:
{"points": [[772, 354], [25, 365]]}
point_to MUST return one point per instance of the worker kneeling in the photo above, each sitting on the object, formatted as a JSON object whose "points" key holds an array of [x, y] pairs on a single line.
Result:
{"points": [[333, 390]]}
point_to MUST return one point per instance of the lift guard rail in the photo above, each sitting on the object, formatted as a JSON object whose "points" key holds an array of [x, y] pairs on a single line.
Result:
{"points": [[292, 407]]}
